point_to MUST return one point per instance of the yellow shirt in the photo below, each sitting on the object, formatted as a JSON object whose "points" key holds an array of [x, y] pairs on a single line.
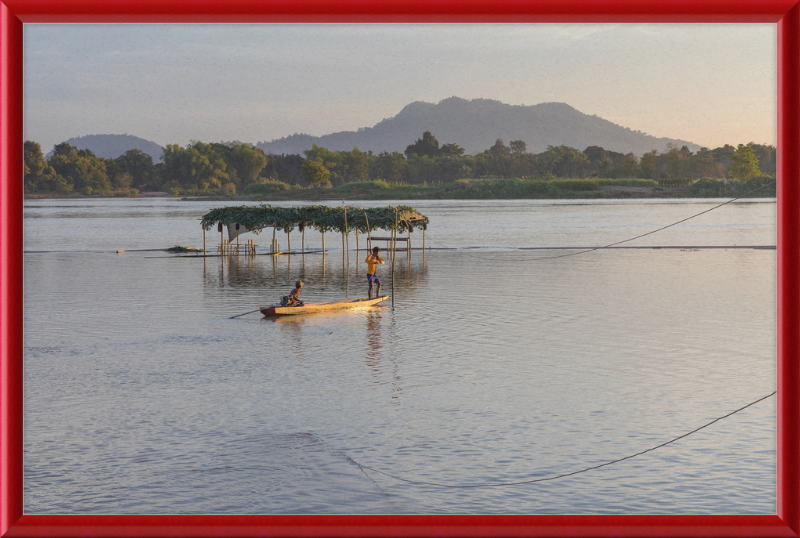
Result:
{"points": [[372, 262]]}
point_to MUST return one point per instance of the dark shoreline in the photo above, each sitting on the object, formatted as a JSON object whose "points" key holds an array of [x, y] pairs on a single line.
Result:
{"points": [[471, 189], [410, 193]]}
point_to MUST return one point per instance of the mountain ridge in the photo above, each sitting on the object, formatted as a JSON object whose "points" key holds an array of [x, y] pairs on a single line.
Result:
{"points": [[111, 146], [473, 124], [476, 124]]}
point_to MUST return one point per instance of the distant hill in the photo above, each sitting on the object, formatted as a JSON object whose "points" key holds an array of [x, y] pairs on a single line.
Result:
{"points": [[110, 146], [476, 124]]}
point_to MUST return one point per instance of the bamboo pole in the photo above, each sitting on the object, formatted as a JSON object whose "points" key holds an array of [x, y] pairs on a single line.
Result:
{"points": [[423, 248], [344, 255], [394, 239], [369, 234], [408, 245], [347, 238], [394, 247]]}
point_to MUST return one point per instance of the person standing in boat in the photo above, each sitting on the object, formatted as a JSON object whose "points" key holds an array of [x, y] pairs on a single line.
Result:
{"points": [[372, 263], [294, 296]]}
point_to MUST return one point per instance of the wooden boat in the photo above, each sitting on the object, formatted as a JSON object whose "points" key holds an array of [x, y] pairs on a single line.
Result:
{"points": [[278, 310]]}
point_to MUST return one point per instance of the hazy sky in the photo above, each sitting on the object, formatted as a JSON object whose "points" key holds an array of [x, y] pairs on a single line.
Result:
{"points": [[711, 84]]}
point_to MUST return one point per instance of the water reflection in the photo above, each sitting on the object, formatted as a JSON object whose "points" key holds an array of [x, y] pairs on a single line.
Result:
{"points": [[276, 275], [381, 359], [292, 327], [374, 340]]}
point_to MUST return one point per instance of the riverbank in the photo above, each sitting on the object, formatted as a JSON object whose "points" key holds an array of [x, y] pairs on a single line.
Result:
{"points": [[483, 189]]}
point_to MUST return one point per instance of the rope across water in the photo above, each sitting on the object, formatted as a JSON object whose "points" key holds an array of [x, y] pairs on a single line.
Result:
{"points": [[563, 475], [573, 473], [644, 234]]}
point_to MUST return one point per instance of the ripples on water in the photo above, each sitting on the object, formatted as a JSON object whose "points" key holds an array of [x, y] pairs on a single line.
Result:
{"points": [[493, 366]]}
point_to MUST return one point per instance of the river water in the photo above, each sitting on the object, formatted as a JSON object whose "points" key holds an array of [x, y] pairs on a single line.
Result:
{"points": [[498, 364]]}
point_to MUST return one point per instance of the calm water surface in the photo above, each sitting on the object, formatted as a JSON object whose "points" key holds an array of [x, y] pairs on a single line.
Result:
{"points": [[495, 365]]}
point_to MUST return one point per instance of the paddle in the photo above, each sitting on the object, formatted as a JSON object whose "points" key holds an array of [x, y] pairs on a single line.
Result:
{"points": [[259, 310]]}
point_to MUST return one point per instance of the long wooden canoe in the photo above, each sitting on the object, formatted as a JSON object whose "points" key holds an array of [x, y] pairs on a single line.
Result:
{"points": [[278, 310]]}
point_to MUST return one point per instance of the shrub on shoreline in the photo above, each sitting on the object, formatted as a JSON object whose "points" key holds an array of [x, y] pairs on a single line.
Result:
{"points": [[266, 187], [496, 188], [717, 188]]}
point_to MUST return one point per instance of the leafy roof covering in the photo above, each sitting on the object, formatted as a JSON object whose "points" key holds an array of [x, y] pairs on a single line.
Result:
{"points": [[317, 217]]}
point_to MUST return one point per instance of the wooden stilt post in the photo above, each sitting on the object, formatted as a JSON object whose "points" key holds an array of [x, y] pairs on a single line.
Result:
{"points": [[394, 247], [273, 249], [423, 247], [343, 251], [221, 241], [237, 239], [369, 234], [391, 246], [204, 239], [345, 254], [289, 242], [347, 239], [394, 238], [303, 241]]}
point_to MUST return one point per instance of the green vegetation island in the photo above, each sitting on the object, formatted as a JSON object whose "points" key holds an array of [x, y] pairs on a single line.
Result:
{"points": [[426, 170]]}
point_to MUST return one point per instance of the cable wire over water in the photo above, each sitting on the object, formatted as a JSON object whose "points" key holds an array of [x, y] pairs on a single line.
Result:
{"points": [[564, 475], [650, 232]]}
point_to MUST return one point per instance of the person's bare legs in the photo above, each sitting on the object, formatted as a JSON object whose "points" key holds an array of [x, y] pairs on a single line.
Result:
{"points": [[369, 294], [378, 294]]}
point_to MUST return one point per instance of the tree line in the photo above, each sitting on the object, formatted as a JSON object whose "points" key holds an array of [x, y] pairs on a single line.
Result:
{"points": [[240, 168]]}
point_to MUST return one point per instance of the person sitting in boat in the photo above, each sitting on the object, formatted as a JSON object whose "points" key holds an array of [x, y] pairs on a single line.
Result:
{"points": [[294, 296], [372, 264]]}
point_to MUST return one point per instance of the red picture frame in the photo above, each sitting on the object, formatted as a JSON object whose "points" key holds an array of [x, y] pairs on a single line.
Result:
{"points": [[14, 13]]}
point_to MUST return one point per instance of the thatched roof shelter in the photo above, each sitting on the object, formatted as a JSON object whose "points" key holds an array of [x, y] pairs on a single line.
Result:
{"points": [[317, 217]]}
